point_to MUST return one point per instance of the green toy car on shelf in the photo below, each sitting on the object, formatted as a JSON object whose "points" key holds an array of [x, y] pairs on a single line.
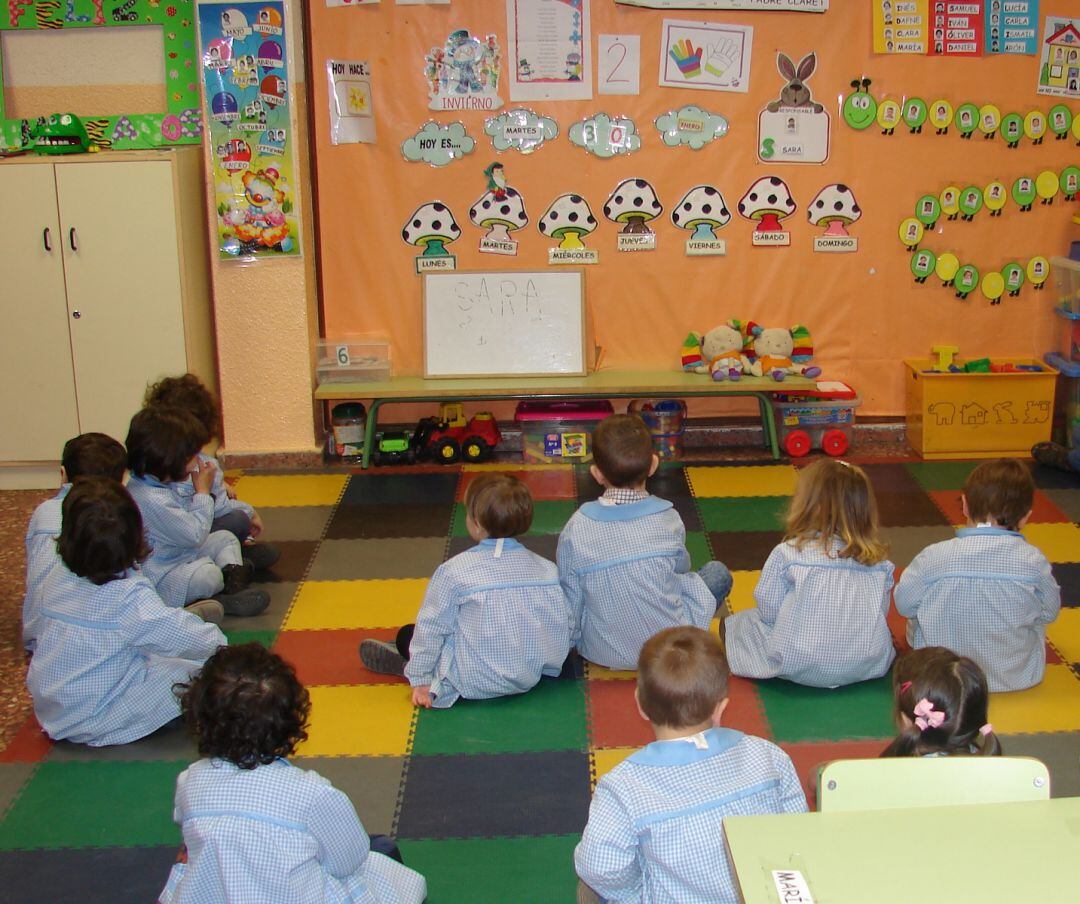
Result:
{"points": [[393, 447]]}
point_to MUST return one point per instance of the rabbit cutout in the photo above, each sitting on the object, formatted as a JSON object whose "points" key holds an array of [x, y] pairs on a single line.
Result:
{"points": [[796, 93]]}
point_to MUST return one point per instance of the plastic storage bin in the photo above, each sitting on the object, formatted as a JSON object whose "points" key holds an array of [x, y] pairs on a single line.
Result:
{"points": [[559, 431], [665, 419], [1068, 326], [978, 415], [1066, 275], [805, 423], [1069, 396], [353, 359]]}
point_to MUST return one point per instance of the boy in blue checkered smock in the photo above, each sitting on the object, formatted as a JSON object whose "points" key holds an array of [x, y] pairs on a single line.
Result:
{"points": [[623, 560], [824, 592], [231, 514], [257, 828], [494, 618], [655, 830], [171, 485], [108, 649], [88, 455], [987, 594]]}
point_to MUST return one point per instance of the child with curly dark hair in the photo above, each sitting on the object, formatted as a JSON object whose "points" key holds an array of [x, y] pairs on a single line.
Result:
{"points": [[257, 828]]}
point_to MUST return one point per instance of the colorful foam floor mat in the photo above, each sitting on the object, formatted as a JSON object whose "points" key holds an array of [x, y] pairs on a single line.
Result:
{"points": [[492, 795]]}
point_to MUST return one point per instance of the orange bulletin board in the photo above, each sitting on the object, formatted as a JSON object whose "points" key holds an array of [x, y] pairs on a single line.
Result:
{"points": [[864, 310]]}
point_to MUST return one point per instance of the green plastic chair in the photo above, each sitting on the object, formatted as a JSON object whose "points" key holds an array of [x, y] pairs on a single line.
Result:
{"points": [[900, 782]]}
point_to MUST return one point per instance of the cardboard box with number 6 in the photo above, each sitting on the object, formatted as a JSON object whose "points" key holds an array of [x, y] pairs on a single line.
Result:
{"points": [[354, 358]]}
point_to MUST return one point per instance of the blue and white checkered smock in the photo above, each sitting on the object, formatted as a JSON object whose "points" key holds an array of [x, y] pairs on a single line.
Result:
{"points": [[41, 556], [986, 594], [626, 573], [655, 831], [277, 834], [108, 656], [492, 622], [223, 503], [176, 522], [819, 620]]}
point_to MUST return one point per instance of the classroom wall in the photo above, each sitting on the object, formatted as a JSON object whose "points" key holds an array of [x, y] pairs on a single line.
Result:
{"points": [[864, 311]]}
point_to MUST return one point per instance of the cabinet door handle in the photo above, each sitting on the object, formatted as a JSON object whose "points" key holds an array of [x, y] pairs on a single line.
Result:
{"points": [[46, 239], [71, 239]]}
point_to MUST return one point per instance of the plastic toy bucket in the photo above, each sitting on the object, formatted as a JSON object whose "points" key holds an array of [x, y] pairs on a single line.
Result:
{"points": [[666, 420]]}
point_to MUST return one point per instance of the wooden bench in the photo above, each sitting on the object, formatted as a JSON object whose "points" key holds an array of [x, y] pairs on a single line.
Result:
{"points": [[601, 384]]}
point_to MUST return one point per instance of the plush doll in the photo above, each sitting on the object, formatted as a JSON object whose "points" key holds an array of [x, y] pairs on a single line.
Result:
{"points": [[691, 352], [722, 351], [777, 352]]}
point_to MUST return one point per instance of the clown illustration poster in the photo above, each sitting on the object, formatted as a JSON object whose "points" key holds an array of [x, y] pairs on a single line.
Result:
{"points": [[246, 73]]}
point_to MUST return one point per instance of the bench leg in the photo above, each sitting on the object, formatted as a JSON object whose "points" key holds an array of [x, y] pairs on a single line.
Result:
{"points": [[369, 434]]}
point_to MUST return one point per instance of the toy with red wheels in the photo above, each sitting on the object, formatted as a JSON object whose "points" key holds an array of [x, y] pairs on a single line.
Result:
{"points": [[819, 419], [450, 437]]}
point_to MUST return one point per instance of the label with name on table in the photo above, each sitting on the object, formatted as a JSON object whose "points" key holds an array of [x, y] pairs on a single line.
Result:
{"points": [[791, 887]]}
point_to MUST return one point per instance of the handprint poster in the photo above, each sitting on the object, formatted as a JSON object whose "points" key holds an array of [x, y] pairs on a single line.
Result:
{"points": [[549, 49], [705, 55]]}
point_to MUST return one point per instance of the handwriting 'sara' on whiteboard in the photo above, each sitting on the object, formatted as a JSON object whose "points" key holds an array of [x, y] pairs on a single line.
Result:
{"points": [[527, 323]]}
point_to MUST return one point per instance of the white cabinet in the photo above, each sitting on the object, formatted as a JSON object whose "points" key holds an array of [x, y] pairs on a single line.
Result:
{"points": [[105, 289]]}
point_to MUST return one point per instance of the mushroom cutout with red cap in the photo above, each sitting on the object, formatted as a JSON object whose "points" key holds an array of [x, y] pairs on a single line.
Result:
{"points": [[835, 207], [768, 201], [704, 210], [633, 203], [499, 216], [567, 219], [430, 228]]}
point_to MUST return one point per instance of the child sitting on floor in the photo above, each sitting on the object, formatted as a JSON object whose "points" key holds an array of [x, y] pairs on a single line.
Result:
{"points": [[655, 830], [231, 514], [987, 593], [494, 618], [257, 828], [824, 592], [622, 559], [941, 706], [108, 649], [171, 485], [88, 455]]}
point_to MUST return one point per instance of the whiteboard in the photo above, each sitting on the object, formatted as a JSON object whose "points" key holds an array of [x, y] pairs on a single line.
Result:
{"points": [[504, 322]]}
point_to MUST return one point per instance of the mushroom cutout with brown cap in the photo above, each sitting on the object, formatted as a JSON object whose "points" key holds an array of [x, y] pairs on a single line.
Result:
{"points": [[430, 228], [768, 201], [834, 206], [499, 217], [704, 210], [633, 203], [568, 218]]}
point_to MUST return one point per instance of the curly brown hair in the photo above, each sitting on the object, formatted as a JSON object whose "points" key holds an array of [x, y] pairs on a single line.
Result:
{"points": [[246, 706], [189, 393]]}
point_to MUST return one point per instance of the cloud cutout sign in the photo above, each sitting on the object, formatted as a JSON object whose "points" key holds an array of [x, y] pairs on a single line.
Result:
{"points": [[520, 130], [438, 144], [691, 126], [605, 137]]}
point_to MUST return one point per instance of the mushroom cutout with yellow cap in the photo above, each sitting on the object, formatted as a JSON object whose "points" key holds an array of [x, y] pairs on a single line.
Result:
{"points": [[500, 216], [835, 207], [704, 210], [768, 201], [567, 219], [633, 203], [430, 228]]}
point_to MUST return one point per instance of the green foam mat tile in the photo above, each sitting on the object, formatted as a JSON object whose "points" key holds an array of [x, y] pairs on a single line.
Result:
{"points": [[239, 636], [739, 513], [549, 717], [697, 544], [941, 475], [798, 713]]}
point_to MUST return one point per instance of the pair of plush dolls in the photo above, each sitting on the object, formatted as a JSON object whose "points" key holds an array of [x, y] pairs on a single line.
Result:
{"points": [[734, 348]]}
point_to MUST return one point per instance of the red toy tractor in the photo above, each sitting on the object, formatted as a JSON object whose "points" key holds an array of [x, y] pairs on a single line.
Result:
{"points": [[450, 437]]}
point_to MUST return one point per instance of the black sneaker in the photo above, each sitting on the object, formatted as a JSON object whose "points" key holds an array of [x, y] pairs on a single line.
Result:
{"points": [[260, 555], [1051, 455], [237, 577], [381, 657], [244, 602]]}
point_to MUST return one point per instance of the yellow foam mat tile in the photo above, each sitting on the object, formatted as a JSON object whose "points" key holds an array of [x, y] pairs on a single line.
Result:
{"points": [[1064, 634], [607, 758], [301, 489], [359, 720], [599, 673], [759, 480], [1058, 542], [742, 591], [1053, 705], [514, 466], [384, 603]]}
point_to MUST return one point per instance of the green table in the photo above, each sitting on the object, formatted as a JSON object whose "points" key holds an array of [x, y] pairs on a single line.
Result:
{"points": [[1009, 853], [601, 384]]}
